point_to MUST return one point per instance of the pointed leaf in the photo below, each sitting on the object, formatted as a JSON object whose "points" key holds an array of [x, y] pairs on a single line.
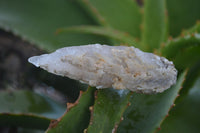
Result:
{"points": [[37, 21], [108, 110], [184, 51], [192, 76], [122, 15], [185, 117], [154, 31], [76, 119], [103, 31], [147, 111]]}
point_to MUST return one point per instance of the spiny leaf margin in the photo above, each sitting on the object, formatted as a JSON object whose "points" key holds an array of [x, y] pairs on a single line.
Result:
{"points": [[76, 116], [147, 111], [108, 32], [108, 110]]}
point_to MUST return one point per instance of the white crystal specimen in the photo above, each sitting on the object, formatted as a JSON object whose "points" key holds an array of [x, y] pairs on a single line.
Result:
{"points": [[103, 66]]}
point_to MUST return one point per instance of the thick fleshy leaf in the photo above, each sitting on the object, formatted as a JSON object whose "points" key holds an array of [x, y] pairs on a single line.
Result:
{"points": [[23, 108], [185, 117], [108, 110], [24, 120], [182, 15], [192, 76], [194, 29], [187, 57], [123, 15], [24, 130], [68, 87], [108, 32], [28, 102], [147, 111], [154, 25], [184, 51], [37, 21], [76, 119]]}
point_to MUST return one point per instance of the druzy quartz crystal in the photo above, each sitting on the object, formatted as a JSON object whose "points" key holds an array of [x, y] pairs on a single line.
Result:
{"points": [[104, 66]]}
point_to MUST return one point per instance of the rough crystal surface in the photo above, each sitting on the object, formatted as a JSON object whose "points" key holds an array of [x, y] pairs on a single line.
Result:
{"points": [[103, 66]]}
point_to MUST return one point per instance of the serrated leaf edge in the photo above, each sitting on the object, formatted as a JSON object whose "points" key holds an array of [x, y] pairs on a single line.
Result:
{"points": [[92, 10], [124, 37], [116, 125], [173, 105]]}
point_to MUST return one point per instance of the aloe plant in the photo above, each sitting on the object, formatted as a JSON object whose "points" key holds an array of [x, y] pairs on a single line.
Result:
{"points": [[167, 28]]}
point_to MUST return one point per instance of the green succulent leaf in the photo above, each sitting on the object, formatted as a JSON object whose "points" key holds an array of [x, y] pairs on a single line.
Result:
{"points": [[184, 51], [68, 87], [122, 15], [108, 110], [147, 111], [24, 120], [18, 108], [36, 21], [192, 76], [25, 130], [108, 32], [194, 29], [76, 119], [185, 117], [154, 24], [182, 15]]}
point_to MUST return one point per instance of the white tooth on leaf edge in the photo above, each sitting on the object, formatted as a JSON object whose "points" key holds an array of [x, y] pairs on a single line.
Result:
{"points": [[104, 66]]}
